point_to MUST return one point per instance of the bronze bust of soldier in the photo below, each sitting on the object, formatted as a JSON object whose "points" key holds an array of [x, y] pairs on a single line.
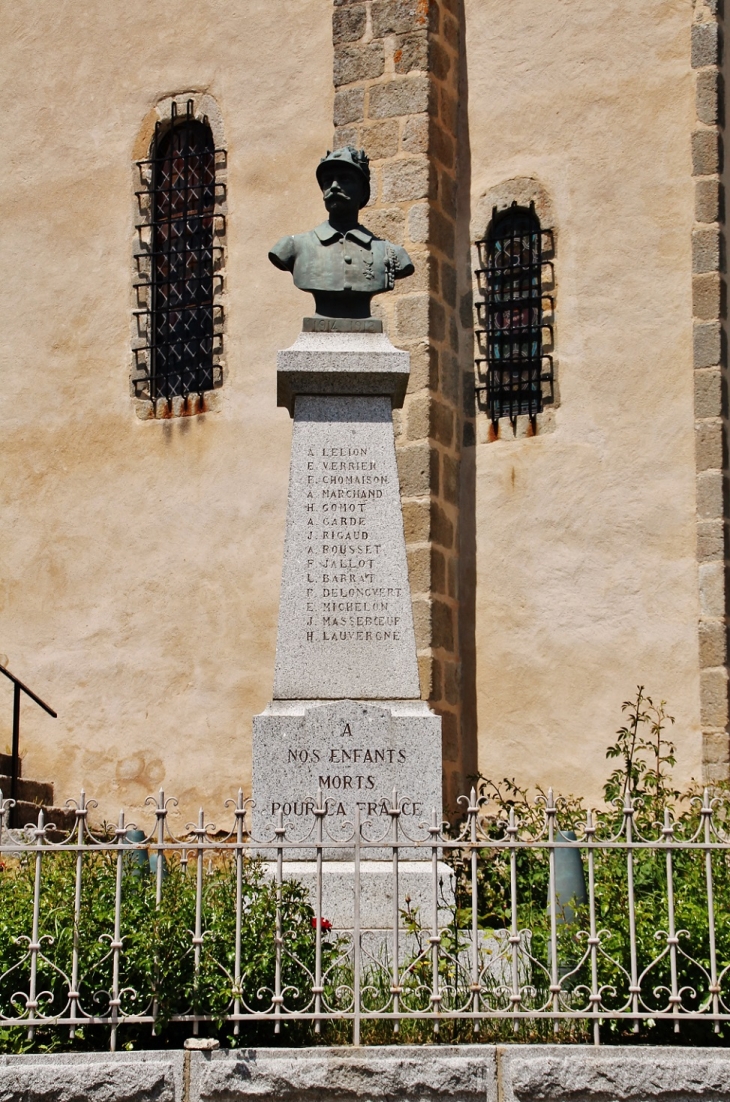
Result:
{"points": [[341, 262]]}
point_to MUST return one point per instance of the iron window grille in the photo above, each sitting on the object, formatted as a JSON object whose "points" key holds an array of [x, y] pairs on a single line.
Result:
{"points": [[515, 373], [179, 262]]}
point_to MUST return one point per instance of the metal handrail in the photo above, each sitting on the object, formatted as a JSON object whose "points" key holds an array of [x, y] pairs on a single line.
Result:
{"points": [[18, 688]]}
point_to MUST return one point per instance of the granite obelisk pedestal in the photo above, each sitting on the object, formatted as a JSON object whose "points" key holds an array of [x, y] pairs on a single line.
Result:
{"points": [[346, 716]]}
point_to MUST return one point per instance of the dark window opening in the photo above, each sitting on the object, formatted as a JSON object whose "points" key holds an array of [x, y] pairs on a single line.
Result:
{"points": [[515, 373], [183, 322]]}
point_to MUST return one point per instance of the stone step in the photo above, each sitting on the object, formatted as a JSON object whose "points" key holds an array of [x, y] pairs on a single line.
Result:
{"points": [[31, 797], [6, 765], [33, 792], [61, 817]]}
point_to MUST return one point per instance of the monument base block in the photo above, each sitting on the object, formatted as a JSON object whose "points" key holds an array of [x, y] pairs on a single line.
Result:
{"points": [[415, 892], [357, 753]]}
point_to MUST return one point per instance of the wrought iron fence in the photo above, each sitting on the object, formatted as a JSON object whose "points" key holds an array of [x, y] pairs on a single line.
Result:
{"points": [[516, 917]]}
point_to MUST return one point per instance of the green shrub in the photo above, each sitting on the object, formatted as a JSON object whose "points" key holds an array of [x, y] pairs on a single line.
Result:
{"points": [[644, 776], [157, 962]]}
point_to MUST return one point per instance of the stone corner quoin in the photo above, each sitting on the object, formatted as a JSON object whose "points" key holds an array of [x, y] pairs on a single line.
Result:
{"points": [[396, 66], [709, 350]]}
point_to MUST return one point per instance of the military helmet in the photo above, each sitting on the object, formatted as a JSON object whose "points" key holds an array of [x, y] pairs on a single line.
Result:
{"points": [[356, 159]]}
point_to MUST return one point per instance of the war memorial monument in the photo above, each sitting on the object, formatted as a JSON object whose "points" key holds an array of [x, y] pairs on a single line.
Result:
{"points": [[346, 717]]}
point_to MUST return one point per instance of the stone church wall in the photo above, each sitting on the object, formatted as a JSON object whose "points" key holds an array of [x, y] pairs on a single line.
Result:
{"points": [[141, 559], [586, 582], [551, 572]]}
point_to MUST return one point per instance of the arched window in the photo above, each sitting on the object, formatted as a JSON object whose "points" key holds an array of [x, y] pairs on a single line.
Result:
{"points": [[183, 322], [514, 364]]}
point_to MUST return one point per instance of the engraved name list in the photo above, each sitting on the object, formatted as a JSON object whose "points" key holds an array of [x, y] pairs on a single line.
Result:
{"points": [[345, 620], [347, 596]]}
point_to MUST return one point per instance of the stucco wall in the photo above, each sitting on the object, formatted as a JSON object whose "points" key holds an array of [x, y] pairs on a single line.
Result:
{"points": [[585, 536], [141, 560]]}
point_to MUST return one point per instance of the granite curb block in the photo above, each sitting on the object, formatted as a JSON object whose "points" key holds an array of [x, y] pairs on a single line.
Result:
{"points": [[581, 1074], [96, 1076], [402, 1073], [346, 1074]]}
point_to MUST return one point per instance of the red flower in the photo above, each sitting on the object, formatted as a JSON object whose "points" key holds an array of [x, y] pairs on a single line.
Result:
{"points": [[324, 923]]}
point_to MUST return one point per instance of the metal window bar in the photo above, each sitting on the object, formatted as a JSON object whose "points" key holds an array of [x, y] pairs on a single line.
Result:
{"points": [[180, 323], [631, 965], [515, 372]]}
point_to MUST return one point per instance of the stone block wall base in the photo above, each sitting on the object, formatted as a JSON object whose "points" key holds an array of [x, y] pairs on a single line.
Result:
{"points": [[428, 1073]]}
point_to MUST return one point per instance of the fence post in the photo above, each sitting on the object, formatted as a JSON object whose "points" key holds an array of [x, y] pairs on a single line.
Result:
{"points": [[672, 939], [435, 938], [115, 1000], [593, 939], [73, 995], [555, 987], [356, 947], [514, 939], [395, 988], [706, 812], [240, 820], [34, 947], [160, 815], [472, 811], [320, 811], [198, 935], [634, 989], [278, 937]]}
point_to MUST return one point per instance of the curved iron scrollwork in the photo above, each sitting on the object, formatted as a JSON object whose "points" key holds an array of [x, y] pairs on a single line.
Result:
{"points": [[443, 953]]}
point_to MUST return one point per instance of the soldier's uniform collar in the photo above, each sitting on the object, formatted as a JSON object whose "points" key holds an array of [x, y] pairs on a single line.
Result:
{"points": [[327, 234]]}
